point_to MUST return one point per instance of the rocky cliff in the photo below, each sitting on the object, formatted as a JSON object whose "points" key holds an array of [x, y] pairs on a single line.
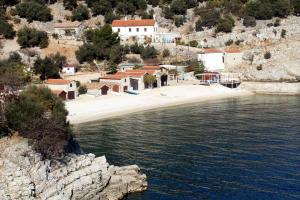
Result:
{"points": [[24, 175]]}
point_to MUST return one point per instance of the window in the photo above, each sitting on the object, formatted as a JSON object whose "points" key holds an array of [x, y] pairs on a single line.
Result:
{"points": [[137, 29], [71, 85], [119, 30], [129, 29], [145, 29]]}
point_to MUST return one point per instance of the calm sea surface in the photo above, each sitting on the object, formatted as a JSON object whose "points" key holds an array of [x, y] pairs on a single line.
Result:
{"points": [[240, 148]]}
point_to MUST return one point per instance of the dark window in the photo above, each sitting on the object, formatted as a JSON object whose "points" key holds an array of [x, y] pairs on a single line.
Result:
{"points": [[119, 30], [145, 29], [70, 84], [137, 29], [129, 29]]}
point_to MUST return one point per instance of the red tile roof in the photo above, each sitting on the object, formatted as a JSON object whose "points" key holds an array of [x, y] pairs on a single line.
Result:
{"points": [[151, 67], [57, 81], [141, 22], [137, 73], [212, 51], [232, 51]]}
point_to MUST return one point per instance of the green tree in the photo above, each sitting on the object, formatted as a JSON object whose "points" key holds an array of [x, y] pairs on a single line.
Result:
{"points": [[198, 67], [249, 21], [179, 21], [41, 116], [80, 13], [70, 4], [208, 19], [34, 11], [30, 37], [102, 7], [50, 66], [179, 7], [193, 43], [82, 89], [166, 53], [149, 52], [225, 24], [6, 29]]}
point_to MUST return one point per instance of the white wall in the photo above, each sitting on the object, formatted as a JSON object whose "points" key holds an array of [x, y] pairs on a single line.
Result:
{"points": [[62, 32], [124, 32], [69, 70], [65, 87], [212, 61]]}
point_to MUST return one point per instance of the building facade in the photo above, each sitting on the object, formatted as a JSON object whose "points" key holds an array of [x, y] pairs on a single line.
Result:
{"points": [[69, 30], [60, 85], [139, 30]]}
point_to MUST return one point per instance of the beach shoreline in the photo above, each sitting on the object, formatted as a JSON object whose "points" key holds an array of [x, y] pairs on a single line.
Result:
{"points": [[88, 108]]}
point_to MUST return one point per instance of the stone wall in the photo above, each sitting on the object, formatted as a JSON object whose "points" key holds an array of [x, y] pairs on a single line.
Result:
{"points": [[272, 87], [23, 175]]}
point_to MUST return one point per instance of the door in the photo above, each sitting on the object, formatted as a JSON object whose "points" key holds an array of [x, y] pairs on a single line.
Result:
{"points": [[116, 88], [104, 90], [71, 95]]}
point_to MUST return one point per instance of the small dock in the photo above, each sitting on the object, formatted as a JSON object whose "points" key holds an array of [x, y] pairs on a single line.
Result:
{"points": [[230, 80]]}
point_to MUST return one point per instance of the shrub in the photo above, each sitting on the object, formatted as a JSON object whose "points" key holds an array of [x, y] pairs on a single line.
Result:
{"points": [[208, 19], [249, 21], [33, 10], [277, 22], [136, 48], [259, 67], [166, 53], [30, 37], [101, 7], [80, 13], [149, 52], [40, 116], [229, 42], [50, 66], [283, 33], [179, 20], [225, 24], [179, 7], [238, 42], [193, 43], [82, 89], [70, 4], [55, 35], [267, 55]]}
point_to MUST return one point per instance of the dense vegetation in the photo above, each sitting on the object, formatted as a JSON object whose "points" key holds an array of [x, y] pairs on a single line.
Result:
{"points": [[50, 66], [6, 29], [100, 44], [33, 10], [30, 37], [39, 115]]}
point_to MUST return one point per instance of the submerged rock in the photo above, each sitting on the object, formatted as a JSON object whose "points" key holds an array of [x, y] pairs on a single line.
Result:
{"points": [[23, 175]]}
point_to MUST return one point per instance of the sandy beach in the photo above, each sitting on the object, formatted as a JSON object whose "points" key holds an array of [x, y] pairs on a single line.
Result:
{"points": [[88, 108]]}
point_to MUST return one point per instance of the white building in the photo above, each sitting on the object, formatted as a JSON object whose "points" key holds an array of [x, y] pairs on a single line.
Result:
{"points": [[138, 30], [62, 86], [69, 30], [69, 69], [213, 59], [232, 58]]}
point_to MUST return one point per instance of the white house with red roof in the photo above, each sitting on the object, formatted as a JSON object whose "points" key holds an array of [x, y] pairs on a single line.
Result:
{"points": [[61, 86], [140, 29], [216, 60]]}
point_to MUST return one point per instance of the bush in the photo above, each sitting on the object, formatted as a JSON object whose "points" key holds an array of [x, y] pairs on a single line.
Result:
{"points": [[149, 52], [40, 116], [179, 20], [259, 67], [283, 33], [229, 42], [30, 37], [277, 22], [208, 19], [166, 53], [82, 89], [55, 35], [238, 42], [249, 21], [70, 4], [225, 24], [179, 7], [267, 55], [193, 43], [101, 7], [50, 66], [80, 13], [33, 10]]}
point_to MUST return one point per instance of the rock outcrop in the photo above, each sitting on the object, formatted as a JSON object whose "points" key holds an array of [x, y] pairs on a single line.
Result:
{"points": [[24, 175]]}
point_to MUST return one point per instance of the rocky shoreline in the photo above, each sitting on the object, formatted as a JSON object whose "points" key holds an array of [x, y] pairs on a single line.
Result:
{"points": [[24, 175]]}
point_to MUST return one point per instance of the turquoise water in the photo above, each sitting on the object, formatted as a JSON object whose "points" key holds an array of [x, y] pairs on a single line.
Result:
{"points": [[240, 148]]}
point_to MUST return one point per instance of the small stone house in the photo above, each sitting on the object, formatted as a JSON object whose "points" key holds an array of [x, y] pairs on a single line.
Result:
{"points": [[69, 30], [61, 86]]}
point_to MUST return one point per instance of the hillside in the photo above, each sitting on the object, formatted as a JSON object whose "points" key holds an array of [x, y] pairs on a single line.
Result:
{"points": [[255, 27]]}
